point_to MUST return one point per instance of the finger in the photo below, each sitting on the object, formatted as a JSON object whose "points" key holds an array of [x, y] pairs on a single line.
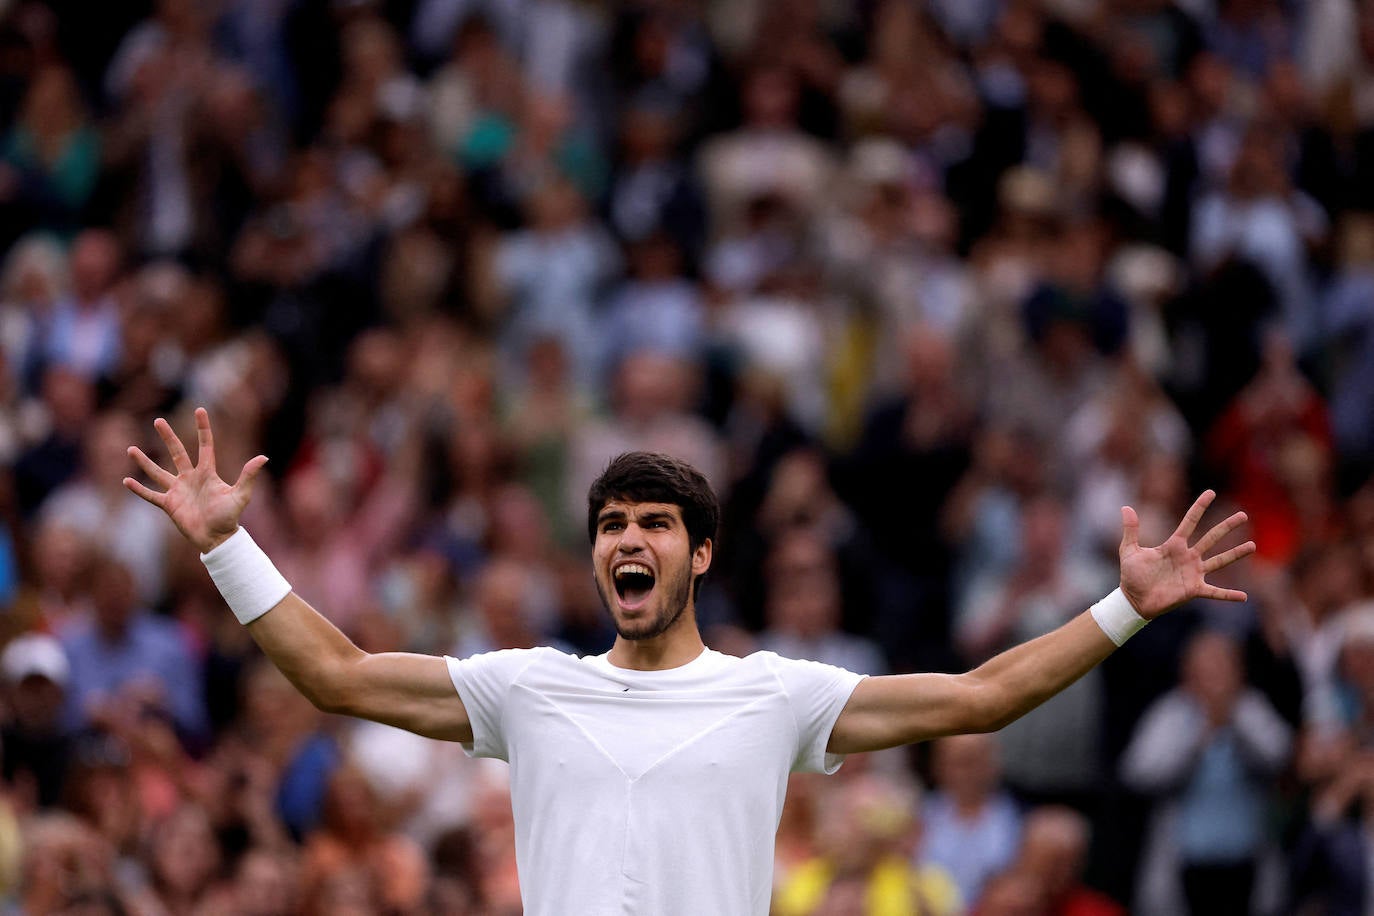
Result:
{"points": [[140, 490], [1194, 515], [1219, 531], [249, 473], [1223, 594], [180, 460], [156, 472], [1130, 531], [205, 457], [1225, 559]]}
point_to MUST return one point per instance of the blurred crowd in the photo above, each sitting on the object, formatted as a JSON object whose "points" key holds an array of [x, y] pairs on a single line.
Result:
{"points": [[927, 288]]}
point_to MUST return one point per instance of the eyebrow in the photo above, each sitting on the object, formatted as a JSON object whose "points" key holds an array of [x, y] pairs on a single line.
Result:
{"points": [[620, 515]]}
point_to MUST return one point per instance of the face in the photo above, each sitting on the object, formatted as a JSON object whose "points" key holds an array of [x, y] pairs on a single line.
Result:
{"points": [[644, 565], [966, 765]]}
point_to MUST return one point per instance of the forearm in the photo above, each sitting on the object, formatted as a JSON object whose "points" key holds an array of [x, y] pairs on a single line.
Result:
{"points": [[313, 653], [891, 711], [408, 691], [1016, 681], [413, 692]]}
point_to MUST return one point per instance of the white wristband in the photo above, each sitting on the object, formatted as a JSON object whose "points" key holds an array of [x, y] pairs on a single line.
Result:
{"points": [[1117, 618], [250, 584]]}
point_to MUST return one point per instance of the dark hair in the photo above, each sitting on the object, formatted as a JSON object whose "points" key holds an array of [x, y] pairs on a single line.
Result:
{"points": [[650, 477]]}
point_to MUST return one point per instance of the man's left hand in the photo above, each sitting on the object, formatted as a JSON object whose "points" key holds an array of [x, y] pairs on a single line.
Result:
{"points": [[1158, 579]]}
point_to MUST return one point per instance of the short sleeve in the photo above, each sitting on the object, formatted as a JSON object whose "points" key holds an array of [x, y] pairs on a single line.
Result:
{"points": [[483, 683], [817, 693]]}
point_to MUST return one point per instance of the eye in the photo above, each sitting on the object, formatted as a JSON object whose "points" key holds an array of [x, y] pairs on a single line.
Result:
{"points": [[611, 526]]}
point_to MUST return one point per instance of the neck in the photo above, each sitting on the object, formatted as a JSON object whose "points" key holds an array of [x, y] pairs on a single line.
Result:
{"points": [[111, 631], [678, 645], [969, 806]]}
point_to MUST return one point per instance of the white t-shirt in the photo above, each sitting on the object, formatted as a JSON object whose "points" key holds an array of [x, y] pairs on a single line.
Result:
{"points": [[649, 792]]}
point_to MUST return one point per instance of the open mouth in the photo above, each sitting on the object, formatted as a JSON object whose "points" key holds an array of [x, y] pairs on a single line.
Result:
{"points": [[633, 583]]}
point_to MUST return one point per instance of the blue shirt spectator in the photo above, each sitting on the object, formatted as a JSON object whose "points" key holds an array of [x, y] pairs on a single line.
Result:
{"points": [[972, 826], [125, 661]]}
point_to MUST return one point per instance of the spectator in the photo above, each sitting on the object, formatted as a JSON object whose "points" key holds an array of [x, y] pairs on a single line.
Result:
{"points": [[352, 841], [506, 611], [126, 662], [98, 507], [68, 865], [51, 156], [98, 794], [550, 277], [186, 858], [33, 279], [803, 608], [57, 593], [1258, 217], [1259, 444], [283, 754], [37, 747], [336, 522], [867, 827], [1329, 873], [542, 419], [651, 399], [972, 826], [657, 309], [1205, 751], [83, 331], [1052, 753], [1012, 893], [768, 155], [652, 193], [1350, 705], [1055, 850], [1348, 321], [265, 884]]}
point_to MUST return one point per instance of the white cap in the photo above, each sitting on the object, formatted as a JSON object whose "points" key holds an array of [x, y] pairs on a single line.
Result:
{"points": [[35, 653]]}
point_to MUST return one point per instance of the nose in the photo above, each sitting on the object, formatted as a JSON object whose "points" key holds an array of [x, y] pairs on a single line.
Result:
{"points": [[631, 539]]}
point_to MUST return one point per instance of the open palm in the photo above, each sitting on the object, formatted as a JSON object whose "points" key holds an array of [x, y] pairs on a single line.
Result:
{"points": [[1156, 579], [203, 507]]}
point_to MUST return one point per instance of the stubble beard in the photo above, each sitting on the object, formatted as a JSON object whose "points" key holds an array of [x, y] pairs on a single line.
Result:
{"points": [[676, 595]]}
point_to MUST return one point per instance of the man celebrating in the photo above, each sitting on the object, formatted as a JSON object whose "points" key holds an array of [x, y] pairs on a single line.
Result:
{"points": [[651, 779]]}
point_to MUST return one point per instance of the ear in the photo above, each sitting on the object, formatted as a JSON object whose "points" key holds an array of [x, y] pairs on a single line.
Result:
{"points": [[701, 558]]}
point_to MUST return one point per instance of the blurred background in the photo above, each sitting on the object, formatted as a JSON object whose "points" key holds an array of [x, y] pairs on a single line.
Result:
{"points": [[927, 289]]}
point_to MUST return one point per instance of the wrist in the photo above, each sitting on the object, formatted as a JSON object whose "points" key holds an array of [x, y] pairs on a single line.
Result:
{"points": [[215, 540], [1118, 617], [245, 577]]}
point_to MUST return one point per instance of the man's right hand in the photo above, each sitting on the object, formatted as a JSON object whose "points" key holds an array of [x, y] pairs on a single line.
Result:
{"points": [[204, 508]]}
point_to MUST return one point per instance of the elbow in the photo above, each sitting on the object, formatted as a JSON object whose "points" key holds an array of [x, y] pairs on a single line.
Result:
{"points": [[989, 709], [329, 701], [326, 689], [997, 720]]}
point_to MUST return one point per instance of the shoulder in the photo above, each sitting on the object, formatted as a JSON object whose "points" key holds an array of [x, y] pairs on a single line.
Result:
{"points": [[782, 665], [800, 678], [513, 659]]}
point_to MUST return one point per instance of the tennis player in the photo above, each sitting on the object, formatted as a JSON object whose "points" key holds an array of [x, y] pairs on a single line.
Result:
{"points": [[650, 780]]}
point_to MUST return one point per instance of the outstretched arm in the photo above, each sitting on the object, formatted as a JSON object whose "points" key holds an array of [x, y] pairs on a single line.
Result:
{"points": [[889, 711], [408, 691]]}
